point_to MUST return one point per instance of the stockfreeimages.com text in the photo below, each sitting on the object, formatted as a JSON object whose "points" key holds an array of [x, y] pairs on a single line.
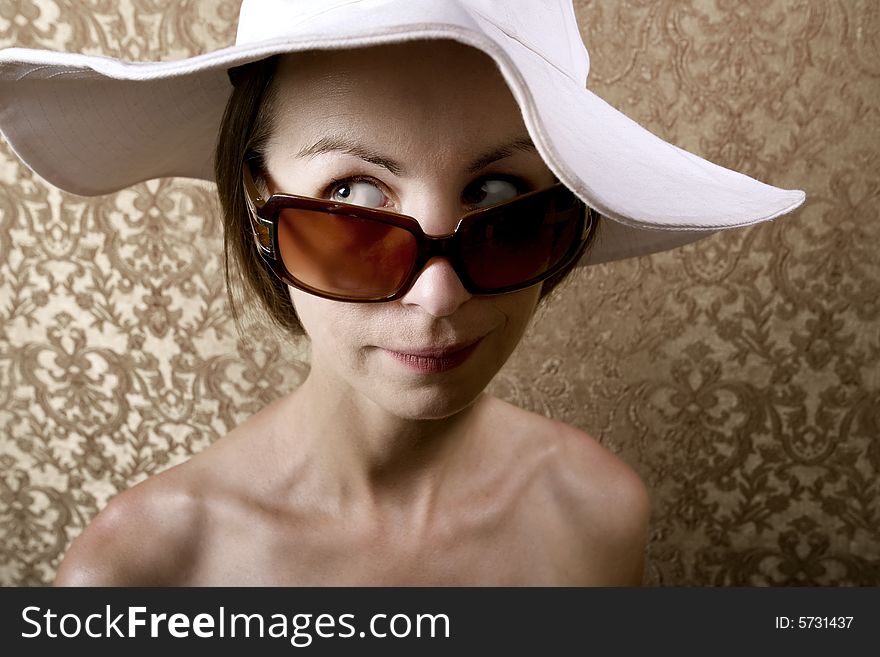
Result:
{"points": [[300, 629]]}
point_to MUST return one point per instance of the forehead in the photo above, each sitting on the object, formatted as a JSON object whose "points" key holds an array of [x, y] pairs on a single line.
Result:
{"points": [[432, 97]]}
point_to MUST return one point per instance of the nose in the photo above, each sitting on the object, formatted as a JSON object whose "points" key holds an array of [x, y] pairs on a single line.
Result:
{"points": [[437, 289]]}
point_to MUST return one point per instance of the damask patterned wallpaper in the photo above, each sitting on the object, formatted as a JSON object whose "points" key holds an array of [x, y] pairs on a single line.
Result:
{"points": [[740, 375]]}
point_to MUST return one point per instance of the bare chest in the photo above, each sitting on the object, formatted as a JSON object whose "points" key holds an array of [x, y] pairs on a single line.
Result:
{"points": [[486, 546]]}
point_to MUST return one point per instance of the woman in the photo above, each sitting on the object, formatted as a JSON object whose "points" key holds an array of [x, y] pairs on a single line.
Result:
{"points": [[389, 465]]}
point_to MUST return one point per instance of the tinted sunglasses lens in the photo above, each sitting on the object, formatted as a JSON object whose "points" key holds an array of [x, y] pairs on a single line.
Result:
{"points": [[521, 241], [345, 256]]}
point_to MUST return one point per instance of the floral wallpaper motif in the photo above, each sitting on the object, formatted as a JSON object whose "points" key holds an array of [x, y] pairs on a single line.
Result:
{"points": [[739, 375]]}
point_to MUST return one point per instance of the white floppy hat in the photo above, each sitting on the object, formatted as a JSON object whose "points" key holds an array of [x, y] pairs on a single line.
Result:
{"points": [[94, 125]]}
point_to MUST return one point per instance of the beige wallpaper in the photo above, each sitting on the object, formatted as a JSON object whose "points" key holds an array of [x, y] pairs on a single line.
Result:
{"points": [[740, 376]]}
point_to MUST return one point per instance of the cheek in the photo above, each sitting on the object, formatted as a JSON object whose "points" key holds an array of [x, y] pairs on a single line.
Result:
{"points": [[519, 307], [320, 317], [333, 327], [517, 310]]}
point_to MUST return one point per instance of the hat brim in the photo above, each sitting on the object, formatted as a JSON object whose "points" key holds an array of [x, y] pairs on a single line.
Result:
{"points": [[94, 125], [657, 195]]}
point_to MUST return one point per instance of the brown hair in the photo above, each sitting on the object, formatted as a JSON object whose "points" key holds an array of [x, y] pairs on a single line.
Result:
{"points": [[244, 133]]}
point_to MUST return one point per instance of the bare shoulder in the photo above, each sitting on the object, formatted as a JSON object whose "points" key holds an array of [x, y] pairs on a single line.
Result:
{"points": [[154, 533], [145, 536], [603, 478], [587, 468], [611, 505], [601, 497]]}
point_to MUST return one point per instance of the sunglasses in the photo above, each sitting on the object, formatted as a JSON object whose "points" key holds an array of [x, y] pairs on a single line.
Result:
{"points": [[351, 253]]}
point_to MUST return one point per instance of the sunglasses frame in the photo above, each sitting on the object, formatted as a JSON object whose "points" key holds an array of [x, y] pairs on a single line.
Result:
{"points": [[264, 223]]}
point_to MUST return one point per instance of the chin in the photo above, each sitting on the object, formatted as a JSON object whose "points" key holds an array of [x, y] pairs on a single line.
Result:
{"points": [[428, 402]]}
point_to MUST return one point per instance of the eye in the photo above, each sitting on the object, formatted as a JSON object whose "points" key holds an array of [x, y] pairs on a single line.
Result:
{"points": [[491, 191], [357, 192]]}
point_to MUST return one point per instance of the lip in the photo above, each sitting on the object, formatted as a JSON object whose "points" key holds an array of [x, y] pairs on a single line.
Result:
{"points": [[433, 359]]}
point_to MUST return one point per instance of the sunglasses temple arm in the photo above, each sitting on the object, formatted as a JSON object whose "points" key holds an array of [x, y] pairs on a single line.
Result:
{"points": [[255, 201], [250, 187]]}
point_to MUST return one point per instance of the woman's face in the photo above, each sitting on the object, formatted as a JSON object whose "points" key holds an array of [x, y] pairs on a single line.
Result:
{"points": [[427, 129]]}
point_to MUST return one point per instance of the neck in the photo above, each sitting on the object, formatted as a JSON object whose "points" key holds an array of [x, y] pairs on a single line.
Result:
{"points": [[370, 458]]}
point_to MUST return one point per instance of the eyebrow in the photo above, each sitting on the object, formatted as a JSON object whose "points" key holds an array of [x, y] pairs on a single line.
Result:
{"points": [[340, 145], [522, 144], [349, 147]]}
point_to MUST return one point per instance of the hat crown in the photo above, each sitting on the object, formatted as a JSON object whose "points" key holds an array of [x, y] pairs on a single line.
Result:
{"points": [[547, 27]]}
